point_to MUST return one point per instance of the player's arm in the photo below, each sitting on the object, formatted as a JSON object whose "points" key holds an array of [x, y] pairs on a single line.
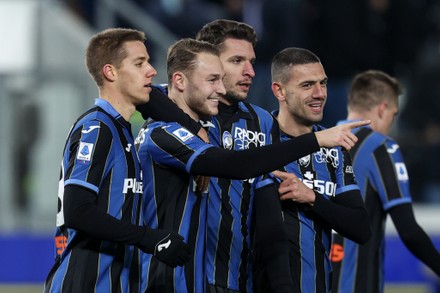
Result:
{"points": [[80, 204], [270, 238], [82, 214], [414, 237], [253, 162], [161, 108], [346, 213]]}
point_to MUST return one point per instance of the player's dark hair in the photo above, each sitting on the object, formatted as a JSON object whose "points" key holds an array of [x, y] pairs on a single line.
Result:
{"points": [[283, 61], [372, 87], [182, 56], [107, 47], [217, 31]]}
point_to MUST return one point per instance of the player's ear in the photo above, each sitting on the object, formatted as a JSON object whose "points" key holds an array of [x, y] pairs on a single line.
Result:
{"points": [[109, 72], [278, 91], [381, 108], [179, 80]]}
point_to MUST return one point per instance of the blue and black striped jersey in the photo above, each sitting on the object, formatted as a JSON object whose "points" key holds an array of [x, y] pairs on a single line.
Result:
{"points": [[166, 152], [383, 180], [329, 173], [230, 201], [99, 155]]}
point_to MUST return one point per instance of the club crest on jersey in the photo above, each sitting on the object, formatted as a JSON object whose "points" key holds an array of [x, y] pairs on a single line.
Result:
{"points": [[227, 140], [183, 134], [84, 151], [402, 174], [304, 161]]}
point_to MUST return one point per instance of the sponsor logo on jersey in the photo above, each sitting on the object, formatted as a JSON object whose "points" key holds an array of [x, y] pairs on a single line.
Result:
{"points": [[183, 134], [392, 149], [327, 156], [349, 169], [91, 128], [323, 187], [243, 138], [128, 147], [402, 174], [227, 140], [85, 151], [206, 124], [133, 185]]}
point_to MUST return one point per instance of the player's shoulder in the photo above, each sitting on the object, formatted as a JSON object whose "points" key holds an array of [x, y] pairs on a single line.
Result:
{"points": [[156, 127], [380, 139], [93, 122], [98, 114]]}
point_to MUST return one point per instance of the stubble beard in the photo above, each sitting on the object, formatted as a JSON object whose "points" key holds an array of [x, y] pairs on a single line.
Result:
{"points": [[233, 97]]}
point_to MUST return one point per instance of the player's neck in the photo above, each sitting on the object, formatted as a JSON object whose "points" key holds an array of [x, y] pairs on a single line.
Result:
{"points": [[119, 103], [179, 100], [289, 125]]}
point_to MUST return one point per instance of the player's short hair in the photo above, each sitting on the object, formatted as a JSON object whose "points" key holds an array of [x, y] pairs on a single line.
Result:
{"points": [[182, 55], [107, 47], [219, 30], [372, 87], [284, 60]]}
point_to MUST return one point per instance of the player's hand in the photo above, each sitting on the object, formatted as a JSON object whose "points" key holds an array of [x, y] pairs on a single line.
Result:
{"points": [[294, 189], [340, 135], [172, 250], [166, 246], [202, 183]]}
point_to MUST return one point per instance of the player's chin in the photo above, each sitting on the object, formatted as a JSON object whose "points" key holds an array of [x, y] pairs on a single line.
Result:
{"points": [[212, 111], [241, 96], [142, 99]]}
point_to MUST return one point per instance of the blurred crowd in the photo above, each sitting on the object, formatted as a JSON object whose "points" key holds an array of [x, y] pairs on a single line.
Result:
{"points": [[401, 38]]}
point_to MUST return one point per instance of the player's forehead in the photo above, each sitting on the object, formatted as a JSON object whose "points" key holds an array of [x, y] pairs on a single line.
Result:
{"points": [[310, 72], [208, 64], [135, 50], [237, 47]]}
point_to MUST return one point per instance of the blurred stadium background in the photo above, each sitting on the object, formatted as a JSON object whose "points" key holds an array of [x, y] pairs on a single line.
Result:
{"points": [[44, 86]]}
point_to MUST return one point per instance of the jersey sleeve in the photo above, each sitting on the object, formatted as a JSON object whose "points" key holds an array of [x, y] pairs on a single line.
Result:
{"points": [[172, 145], [345, 177], [87, 155], [389, 175]]}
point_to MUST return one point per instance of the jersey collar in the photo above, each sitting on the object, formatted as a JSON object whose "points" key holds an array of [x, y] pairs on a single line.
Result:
{"points": [[107, 107]]}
